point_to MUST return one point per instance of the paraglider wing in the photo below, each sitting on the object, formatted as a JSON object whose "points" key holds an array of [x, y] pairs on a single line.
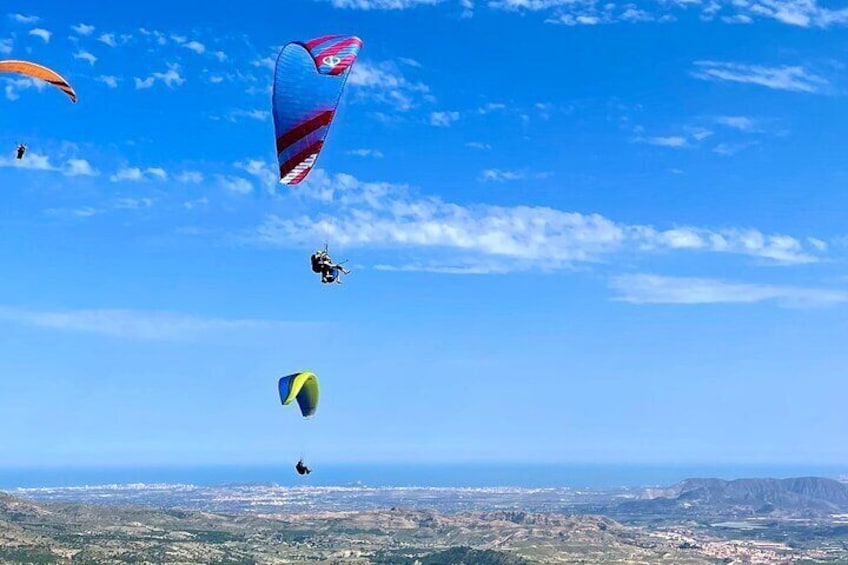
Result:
{"points": [[303, 387], [309, 79], [39, 72]]}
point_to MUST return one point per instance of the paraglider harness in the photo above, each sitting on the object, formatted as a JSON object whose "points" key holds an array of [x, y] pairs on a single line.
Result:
{"points": [[302, 469], [21, 150], [322, 264]]}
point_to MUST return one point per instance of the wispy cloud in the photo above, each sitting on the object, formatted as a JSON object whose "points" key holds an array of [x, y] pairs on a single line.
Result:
{"points": [[108, 80], [443, 119], [498, 175], [136, 174], [83, 29], [791, 78], [675, 141], [113, 40], [235, 184], [196, 203], [383, 83], [655, 289], [137, 325], [195, 46], [255, 114], [264, 172], [382, 4], [85, 56], [42, 34], [133, 203], [801, 13], [80, 167], [366, 153], [741, 123], [732, 148], [25, 19], [362, 214], [170, 78], [190, 177], [5, 46], [81, 212], [478, 145], [37, 162]]}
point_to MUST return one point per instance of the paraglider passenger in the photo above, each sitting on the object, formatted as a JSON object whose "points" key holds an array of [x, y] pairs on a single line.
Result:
{"points": [[21, 151], [331, 274], [302, 469]]}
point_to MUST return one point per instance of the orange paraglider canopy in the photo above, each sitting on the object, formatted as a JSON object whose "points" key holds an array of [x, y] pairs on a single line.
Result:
{"points": [[37, 71]]}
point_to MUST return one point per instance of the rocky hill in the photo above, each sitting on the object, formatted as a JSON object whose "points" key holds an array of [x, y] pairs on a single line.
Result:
{"points": [[803, 496]]}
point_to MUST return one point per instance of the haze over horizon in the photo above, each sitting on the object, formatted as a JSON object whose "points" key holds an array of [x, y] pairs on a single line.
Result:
{"points": [[575, 236]]}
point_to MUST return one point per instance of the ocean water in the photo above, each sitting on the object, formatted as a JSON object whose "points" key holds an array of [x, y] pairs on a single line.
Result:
{"points": [[407, 475]]}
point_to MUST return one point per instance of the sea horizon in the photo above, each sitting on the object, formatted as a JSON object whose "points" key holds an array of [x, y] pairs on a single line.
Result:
{"points": [[436, 475]]}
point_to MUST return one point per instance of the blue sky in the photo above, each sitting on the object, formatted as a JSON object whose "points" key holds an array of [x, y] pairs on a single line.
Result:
{"points": [[580, 232]]}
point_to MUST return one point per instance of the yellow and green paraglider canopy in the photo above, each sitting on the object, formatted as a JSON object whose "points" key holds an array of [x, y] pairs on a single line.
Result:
{"points": [[302, 386]]}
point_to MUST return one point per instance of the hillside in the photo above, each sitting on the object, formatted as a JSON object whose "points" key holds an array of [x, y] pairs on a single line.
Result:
{"points": [[716, 497]]}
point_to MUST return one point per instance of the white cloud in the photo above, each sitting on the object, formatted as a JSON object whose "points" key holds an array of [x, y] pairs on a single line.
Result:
{"points": [[443, 119], [382, 4], [675, 141], [802, 13], [170, 78], [195, 46], [221, 56], [133, 203], [383, 83], [37, 162], [655, 289], [366, 153], [741, 123], [136, 174], [80, 167], [383, 215], [190, 177], [267, 62], [192, 204], [33, 161], [699, 134], [491, 107], [255, 114], [41, 33], [157, 36], [136, 325], [128, 174], [24, 19], [478, 145], [266, 174], [791, 78], [83, 29], [15, 85], [82, 212], [732, 148], [497, 175], [108, 80], [5, 46], [235, 184], [145, 83], [157, 172], [109, 39], [85, 56]]}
